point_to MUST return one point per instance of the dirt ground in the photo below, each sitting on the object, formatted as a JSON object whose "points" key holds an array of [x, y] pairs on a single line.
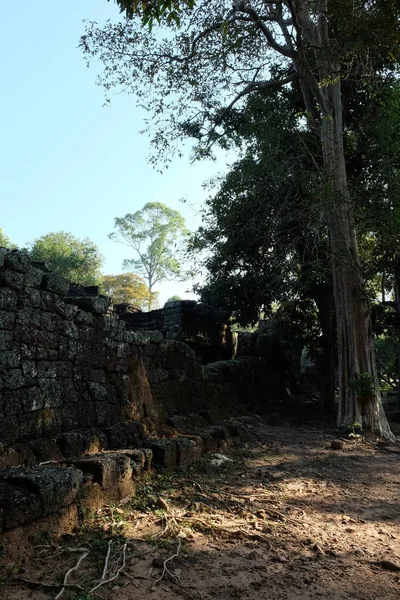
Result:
{"points": [[285, 518]]}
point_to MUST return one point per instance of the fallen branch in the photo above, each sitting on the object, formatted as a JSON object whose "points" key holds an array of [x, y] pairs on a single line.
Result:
{"points": [[388, 565], [165, 570], [117, 574], [68, 573], [105, 569]]}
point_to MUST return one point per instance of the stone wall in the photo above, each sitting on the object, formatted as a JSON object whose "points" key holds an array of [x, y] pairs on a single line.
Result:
{"points": [[67, 367], [100, 400], [63, 363], [190, 322]]}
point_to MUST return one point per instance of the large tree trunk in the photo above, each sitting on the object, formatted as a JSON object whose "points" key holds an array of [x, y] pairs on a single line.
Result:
{"points": [[325, 305], [356, 356]]}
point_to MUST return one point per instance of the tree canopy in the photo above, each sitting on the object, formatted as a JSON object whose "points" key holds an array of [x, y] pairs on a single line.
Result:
{"points": [[5, 241], [154, 234], [189, 77], [126, 287], [77, 260]]}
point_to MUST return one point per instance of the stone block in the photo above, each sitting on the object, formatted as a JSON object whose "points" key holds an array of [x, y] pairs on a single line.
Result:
{"points": [[33, 277], [51, 370], [41, 264], [18, 505], [188, 451], [10, 359], [56, 487], [26, 335], [123, 435], [16, 456], [12, 403], [84, 318], [6, 340], [76, 443], [32, 297], [16, 260], [45, 449], [7, 319], [9, 430], [165, 453], [146, 337], [48, 339], [30, 426], [11, 279], [214, 437], [47, 354], [71, 330], [69, 416], [50, 322], [29, 370], [108, 470], [52, 282], [13, 379], [66, 311], [8, 299], [92, 304], [27, 352]]}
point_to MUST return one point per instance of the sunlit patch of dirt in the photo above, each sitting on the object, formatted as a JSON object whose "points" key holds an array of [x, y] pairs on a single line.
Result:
{"points": [[287, 518]]}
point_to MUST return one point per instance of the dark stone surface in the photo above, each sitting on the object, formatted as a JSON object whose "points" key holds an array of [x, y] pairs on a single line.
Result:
{"points": [[97, 304], [55, 487], [76, 443], [108, 470], [165, 453], [189, 450], [18, 505]]}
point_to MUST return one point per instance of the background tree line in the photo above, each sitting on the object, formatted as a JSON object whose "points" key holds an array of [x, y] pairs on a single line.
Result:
{"points": [[154, 233]]}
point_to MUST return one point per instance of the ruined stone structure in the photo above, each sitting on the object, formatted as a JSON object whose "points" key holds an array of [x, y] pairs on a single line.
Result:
{"points": [[187, 321], [76, 382]]}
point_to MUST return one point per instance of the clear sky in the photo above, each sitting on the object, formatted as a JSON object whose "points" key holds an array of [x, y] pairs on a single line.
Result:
{"points": [[67, 162]]}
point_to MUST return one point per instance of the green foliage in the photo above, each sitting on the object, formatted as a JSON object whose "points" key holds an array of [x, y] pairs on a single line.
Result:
{"points": [[257, 240], [154, 233], [5, 241], [127, 287], [196, 69], [150, 12], [77, 260], [174, 298]]}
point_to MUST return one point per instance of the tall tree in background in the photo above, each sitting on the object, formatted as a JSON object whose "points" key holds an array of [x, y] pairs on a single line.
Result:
{"points": [[127, 287], [218, 55], [77, 260], [154, 233]]}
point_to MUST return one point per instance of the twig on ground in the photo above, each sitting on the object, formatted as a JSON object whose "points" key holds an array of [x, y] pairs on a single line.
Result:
{"points": [[388, 565], [165, 570], [105, 568], [121, 568], [68, 573]]}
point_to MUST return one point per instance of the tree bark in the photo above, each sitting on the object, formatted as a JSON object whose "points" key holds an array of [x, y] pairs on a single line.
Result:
{"points": [[324, 301], [356, 355]]}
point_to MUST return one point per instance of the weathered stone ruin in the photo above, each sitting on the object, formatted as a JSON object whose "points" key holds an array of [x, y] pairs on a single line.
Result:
{"points": [[94, 396], [187, 321]]}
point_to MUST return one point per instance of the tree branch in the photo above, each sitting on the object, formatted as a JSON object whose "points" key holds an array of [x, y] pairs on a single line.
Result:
{"points": [[255, 17], [251, 87]]}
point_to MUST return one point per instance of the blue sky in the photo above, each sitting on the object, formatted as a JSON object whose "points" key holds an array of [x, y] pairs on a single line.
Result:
{"points": [[68, 163]]}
